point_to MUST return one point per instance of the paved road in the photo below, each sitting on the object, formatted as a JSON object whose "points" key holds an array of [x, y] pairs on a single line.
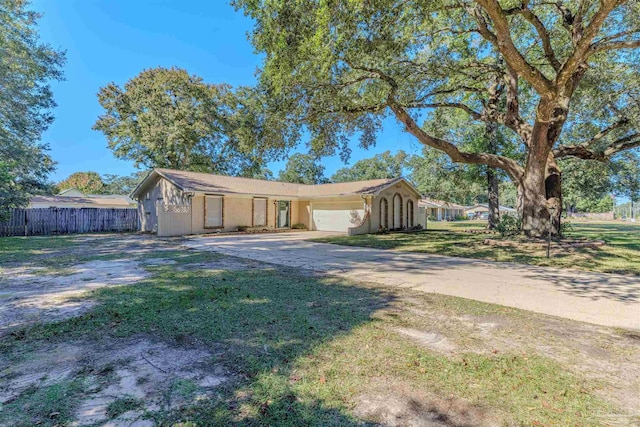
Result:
{"points": [[604, 299]]}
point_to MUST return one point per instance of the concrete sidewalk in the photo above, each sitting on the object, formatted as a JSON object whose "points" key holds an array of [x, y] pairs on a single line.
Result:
{"points": [[604, 299]]}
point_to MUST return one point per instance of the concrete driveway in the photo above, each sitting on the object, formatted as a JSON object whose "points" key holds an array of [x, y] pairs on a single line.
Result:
{"points": [[604, 299]]}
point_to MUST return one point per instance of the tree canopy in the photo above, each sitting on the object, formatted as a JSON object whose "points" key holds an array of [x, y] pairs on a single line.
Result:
{"points": [[562, 78], [168, 118], [436, 176], [118, 184], [380, 166], [627, 176], [85, 182], [303, 169], [588, 185], [26, 67]]}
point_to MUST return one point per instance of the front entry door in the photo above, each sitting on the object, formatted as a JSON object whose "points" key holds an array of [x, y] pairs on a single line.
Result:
{"points": [[283, 214]]}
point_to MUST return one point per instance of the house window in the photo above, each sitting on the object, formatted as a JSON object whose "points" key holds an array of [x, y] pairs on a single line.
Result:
{"points": [[259, 212], [384, 214], [410, 214], [213, 217], [397, 212]]}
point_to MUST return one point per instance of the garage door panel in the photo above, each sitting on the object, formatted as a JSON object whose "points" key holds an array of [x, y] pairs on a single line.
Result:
{"points": [[337, 216]]}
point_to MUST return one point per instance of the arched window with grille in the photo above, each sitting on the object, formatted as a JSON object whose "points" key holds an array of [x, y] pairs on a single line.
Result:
{"points": [[384, 213], [410, 214], [397, 211]]}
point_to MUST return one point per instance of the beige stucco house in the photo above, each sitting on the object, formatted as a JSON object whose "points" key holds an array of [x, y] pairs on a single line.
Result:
{"points": [[173, 202]]}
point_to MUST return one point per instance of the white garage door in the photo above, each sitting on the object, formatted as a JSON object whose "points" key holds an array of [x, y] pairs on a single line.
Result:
{"points": [[337, 216]]}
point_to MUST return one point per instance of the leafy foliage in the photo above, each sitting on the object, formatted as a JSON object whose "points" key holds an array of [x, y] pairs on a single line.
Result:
{"points": [[509, 225], [587, 185], [562, 78], [303, 169], [85, 182], [169, 118], [116, 184], [435, 175], [380, 166], [26, 68], [627, 176]]}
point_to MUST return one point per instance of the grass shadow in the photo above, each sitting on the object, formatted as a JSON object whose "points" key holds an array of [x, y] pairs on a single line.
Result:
{"points": [[258, 323]]}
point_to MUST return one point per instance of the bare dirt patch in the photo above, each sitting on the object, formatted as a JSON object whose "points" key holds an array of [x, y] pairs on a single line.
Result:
{"points": [[139, 375], [432, 340], [395, 405], [27, 296]]}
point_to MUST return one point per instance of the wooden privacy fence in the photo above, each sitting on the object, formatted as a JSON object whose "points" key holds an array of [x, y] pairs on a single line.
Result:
{"points": [[47, 221]]}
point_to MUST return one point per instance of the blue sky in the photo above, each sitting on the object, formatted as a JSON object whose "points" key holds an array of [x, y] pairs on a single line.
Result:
{"points": [[113, 40]]}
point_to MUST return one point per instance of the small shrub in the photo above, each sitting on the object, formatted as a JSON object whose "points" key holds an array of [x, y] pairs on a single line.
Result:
{"points": [[243, 227], [565, 227], [431, 218], [299, 226], [509, 226]]}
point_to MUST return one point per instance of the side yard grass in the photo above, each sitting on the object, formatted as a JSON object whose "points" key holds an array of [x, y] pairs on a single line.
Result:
{"points": [[621, 254], [299, 349]]}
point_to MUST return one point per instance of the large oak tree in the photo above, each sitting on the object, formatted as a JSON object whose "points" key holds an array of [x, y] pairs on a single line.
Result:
{"points": [[563, 75], [166, 117]]}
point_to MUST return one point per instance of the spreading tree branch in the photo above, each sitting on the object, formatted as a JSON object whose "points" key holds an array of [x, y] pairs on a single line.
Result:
{"points": [[510, 166], [576, 60], [600, 47], [501, 39], [583, 151], [537, 23]]}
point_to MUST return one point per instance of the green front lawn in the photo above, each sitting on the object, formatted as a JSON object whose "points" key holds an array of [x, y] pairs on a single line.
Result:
{"points": [[621, 254], [301, 349]]}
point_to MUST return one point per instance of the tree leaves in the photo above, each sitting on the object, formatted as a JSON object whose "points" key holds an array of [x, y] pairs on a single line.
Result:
{"points": [[303, 169], [169, 118], [26, 68]]}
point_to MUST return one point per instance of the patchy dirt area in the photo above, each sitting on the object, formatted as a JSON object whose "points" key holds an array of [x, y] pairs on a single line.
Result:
{"points": [[599, 354], [48, 285], [195, 336], [124, 384], [28, 296], [395, 405]]}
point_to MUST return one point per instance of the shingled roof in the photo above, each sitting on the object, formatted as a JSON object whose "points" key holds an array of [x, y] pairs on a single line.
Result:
{"points": [[88, 201], [210, 183]]}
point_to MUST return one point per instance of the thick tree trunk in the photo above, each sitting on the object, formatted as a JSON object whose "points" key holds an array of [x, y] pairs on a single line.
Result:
{"points": [[494, 198], [535, 216]]}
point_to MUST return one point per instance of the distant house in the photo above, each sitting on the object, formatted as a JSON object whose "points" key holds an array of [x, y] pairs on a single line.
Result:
{"points": [[482, 211], [173, 202], [73, 198], [439, 210]]}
